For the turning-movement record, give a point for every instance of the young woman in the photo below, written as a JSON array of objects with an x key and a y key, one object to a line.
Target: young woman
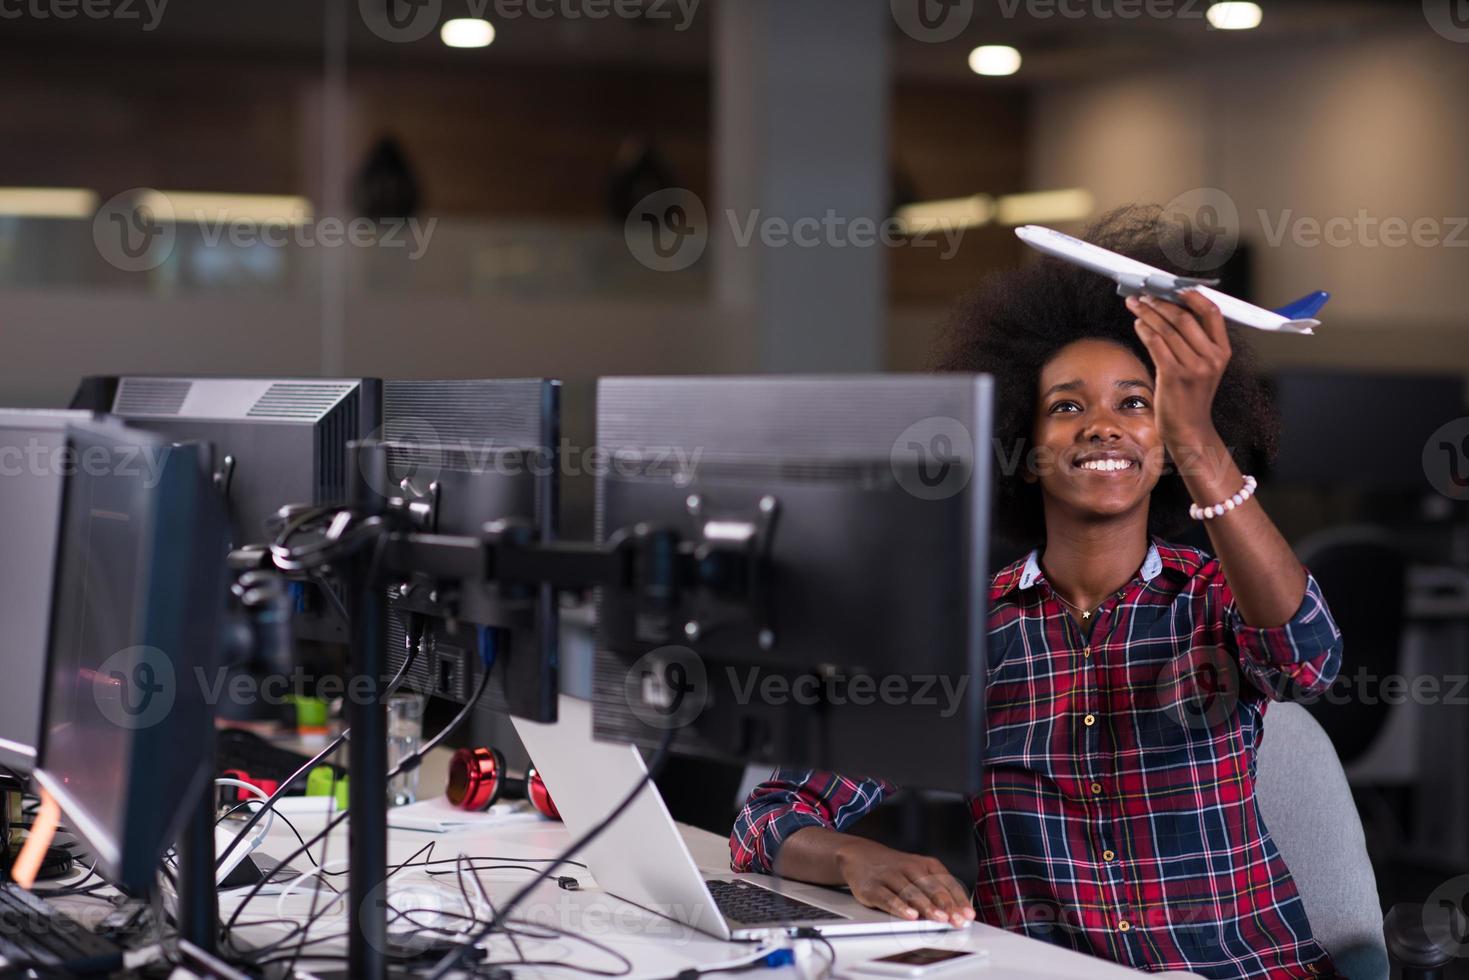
[{"x": 1128, "y": 677}]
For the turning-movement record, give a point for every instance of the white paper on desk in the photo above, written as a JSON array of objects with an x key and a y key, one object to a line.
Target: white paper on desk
[
  {"x": 306, "y": 806},
  {"x": 438, "y": 816}
]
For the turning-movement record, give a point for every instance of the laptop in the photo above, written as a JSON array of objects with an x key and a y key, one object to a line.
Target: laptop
[{"x": 643, "y": 859}]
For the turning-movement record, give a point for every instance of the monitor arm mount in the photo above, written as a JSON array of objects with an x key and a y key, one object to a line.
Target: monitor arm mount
[
  {"x": 648, "y": 571},
  {"x": 722, "y": 568},
  {"x": 652, "y": 570}
]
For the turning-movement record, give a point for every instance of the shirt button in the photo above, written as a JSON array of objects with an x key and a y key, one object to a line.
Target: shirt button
[
  {"x": 1108, "y": 856},
  {"x": 1089, "y": 720},
  {"x": 1123, "y": 926},
  {"x": 1086, "y": 651},
  {"x": 1097, "y": 789}
]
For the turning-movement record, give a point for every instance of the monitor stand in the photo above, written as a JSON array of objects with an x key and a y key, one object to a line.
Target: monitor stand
[{"x": 257, "y": 867}]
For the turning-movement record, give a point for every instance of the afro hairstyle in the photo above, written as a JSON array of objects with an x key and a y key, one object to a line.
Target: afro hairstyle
[{"x": 1017, "y": 319}]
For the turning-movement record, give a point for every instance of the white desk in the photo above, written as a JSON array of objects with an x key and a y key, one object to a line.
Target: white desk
[{"x": 657, "y": 947}]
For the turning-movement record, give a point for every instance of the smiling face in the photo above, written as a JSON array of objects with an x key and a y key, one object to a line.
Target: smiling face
[{"x": 1098, "y": 453}]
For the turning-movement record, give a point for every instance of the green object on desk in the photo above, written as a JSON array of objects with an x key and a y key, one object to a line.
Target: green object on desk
[
  {"x": 319, "y": 783},
  {"x": 311, "y": 713}
]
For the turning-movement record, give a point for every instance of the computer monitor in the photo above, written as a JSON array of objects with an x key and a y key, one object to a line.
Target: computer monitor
[
  {"x": 135, "y": 635},
  {"x": 278, "y": 441},
  {"x": 854, "y": 637},
  {"x": 32, "y": 461},
  {"x": 1361, "y": 430},
  {"x": 478, "y": 451}
]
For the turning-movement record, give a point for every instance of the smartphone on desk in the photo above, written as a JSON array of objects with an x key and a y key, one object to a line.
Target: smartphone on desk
[{"x": 923, "y": 962}]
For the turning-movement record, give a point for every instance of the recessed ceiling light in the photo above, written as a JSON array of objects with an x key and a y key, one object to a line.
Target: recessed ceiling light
[
  {"x": 467, "y": 32},
  {"x": 1234, "y": 16},
  {"x": 994, "y": 59}
]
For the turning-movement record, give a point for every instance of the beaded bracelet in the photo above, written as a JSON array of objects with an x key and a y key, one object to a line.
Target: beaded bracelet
[{"x": 1214, "y": 510}]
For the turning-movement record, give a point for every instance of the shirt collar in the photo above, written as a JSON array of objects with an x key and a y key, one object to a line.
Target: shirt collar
[
  {"x": 1024, "y": 573},
  {"x": 1152, "y": 565}
]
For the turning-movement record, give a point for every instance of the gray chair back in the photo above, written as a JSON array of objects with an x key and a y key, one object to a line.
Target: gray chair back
[{"x": 1308, "y": 810}]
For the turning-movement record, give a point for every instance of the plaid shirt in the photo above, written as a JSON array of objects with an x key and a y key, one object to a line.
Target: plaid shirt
[{"x": 1117, "y": 812}]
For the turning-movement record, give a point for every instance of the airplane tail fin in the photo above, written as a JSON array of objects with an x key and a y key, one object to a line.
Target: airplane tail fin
[{"x": 1305, "y": 308}]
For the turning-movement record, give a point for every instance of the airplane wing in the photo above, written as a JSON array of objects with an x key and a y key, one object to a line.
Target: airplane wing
[{"x": 1134, "y": 277}]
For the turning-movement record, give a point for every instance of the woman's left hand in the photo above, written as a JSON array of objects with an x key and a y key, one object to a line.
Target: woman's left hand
[{"x": 1190, "y": 350}]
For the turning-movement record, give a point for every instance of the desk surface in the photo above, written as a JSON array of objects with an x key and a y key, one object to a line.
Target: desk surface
[{"x": 656, "y": 947}]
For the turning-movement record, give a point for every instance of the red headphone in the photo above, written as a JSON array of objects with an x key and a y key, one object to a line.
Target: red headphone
[{"x": 477, "y": 779}]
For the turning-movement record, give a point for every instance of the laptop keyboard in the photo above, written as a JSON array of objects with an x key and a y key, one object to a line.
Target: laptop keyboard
[
  {"x": 752, "y": 905},
  {"x": 33, "y": 930}
]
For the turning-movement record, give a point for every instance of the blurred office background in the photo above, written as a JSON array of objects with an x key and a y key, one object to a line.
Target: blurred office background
[{"x": 1324, "y": 147}]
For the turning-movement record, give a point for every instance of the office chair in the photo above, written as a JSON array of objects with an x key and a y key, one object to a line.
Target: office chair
[
  {"x": 1364, "y": 576},
  {"x": 1309, "y": 812}
]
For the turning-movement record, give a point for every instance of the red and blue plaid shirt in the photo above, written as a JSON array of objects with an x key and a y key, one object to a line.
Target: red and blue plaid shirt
[{"x": 1117, "y": 812}]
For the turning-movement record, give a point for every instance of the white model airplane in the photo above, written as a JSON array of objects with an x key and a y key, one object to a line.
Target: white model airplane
[{"x": 1133, "y": 278}]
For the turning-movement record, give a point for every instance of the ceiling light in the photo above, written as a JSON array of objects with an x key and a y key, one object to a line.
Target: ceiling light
[
  {"x": 467, "y": 32},
  {"x": 47, "y": 202},
  {"x": 189, "y": 206},
  {"x": 1044, "y": 207},
  {"x": 939, "y": 216},
  {"x": 1234, "y": 16},
  {"x": 994, "y": 59}
]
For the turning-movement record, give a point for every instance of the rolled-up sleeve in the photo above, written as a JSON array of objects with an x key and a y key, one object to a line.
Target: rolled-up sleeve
[
  {"x": 1296, "y": 660},
  {"x": 790, "y": 800}
]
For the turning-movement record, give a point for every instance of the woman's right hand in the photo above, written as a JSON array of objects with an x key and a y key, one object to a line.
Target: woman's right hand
[{"x": 909, "y": 886}]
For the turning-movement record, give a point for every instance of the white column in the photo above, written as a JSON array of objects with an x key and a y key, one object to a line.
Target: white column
[
  {"x": 801, "y": 135},
  {"x": 327, "y": 107}
]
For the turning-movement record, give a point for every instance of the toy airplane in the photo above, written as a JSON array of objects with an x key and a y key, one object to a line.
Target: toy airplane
[{"x": 1133, "y": 278}]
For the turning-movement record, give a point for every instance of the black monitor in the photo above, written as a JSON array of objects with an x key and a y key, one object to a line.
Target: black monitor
[
  {"x": 32, "y": 461},
  {"x": 278, "y": 441},
  {"x": 1361, "y": 430},
  {"x": 472, "y": 452},
  {"x": 853, "y": 637},
  {"x": 135, "y": 634}
]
